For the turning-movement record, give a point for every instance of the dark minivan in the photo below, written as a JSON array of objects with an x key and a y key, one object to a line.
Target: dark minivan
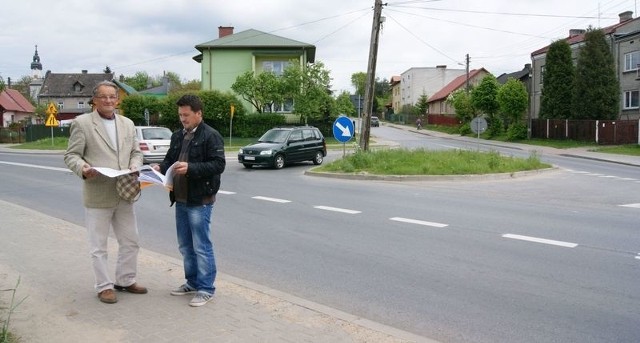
[{"x": 283, "y": 145}]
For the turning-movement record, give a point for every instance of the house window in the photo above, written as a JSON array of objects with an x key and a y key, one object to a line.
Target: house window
[
  {"x": 60, "y": 105},
  {"x": 631, "y": 60},
  {"x": 276, "y": 67},
  {"x": 80, "y": 104},
  {"x": 286, "y": 107},
  {"x": 542, "y": 74},
  {"x": 631, "y": 99}
]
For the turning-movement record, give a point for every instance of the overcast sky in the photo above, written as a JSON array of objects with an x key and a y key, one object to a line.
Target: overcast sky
[{"x": 157, "y": 36}]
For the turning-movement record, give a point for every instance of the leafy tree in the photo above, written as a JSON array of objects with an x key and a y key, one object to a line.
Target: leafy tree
[
  {"x": 422, "y": 106},
  {"x": 138, "y": 81},
  {"x": 134, "y": 105},
  {"x": 107, "y": 70},
  {"x": 557, "y": 84},
  {"x": 261, "y": 91},
  {"x": 513, "y": 100},
  {"x": 597, "y": 89},
  {"x": 461, "y": 102},
  {"x": 359, "y": 80},
  {"x": 344, "y": 104},
  {"x": 186, "y": 87},
  {"x": 22, "y": 86},
  {"x": 309, "y": 87},
  {"x": 173, "y": 77},
  {"x": 484, "y": 99},
  {"x": 2, "y": 84}
]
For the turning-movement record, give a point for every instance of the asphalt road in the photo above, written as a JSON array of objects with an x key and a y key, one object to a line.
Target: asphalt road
[{"x": 545, "y": 258}]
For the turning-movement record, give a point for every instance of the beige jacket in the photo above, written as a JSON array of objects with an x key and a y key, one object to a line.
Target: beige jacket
[{"x": 90, "y": 143}]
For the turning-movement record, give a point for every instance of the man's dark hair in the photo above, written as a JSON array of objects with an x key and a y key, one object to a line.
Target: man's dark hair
[{"x": 190, "y": 100}]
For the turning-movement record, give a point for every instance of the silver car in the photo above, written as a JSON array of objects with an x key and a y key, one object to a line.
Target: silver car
[{"x": 154, "y": 142}]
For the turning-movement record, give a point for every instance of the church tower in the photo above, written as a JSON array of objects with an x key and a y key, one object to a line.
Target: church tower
[{"x": 36, "y": 76}]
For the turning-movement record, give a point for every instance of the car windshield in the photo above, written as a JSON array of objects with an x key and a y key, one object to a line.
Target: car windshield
[
  {"x": 156, "y": 133},
  {"x": 274, "y": 136}
]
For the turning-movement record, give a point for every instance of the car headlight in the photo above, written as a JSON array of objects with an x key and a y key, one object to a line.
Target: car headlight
[
  {"x": 266, "y": 152},
  {"x": 240, "y": 151}
]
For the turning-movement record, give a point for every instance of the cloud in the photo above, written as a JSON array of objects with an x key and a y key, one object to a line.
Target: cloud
[{"x": 159, "y": 36}]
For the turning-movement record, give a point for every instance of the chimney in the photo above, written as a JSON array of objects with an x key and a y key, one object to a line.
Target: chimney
[
  {"x": 575, "y": 32},
  {"x": 625, "y": 16},
  {"x": 224, "y": 31}
]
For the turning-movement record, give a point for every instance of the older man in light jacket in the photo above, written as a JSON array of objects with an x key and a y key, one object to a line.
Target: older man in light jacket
[{"x": 103, "y": 138}]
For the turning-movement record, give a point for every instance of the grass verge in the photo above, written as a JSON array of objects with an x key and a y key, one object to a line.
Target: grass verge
[{"x": 430, "y": 162}]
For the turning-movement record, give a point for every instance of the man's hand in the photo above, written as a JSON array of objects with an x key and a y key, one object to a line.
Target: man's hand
[
  {"x": 180, "y": 168},
  {"x": 88, "y": 172}
]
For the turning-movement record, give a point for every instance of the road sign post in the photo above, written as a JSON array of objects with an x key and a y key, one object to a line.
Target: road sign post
[{"x": 343, "y": 131}]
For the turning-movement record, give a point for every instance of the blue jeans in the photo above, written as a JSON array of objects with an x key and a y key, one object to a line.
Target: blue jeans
[{"x": 194, "y": 241}]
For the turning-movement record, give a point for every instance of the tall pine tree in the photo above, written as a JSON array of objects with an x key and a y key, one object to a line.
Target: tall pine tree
[
  {"x": 597, "y": 89},
  {"x": 557, "y": 82}
]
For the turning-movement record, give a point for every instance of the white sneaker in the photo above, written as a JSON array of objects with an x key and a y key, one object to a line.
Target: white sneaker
[
  {"x": 183, "y": 290},
  {"x": 200, "y": 299}
]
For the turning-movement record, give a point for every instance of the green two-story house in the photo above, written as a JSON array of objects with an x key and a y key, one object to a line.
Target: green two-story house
[{"x": 223, "y": 59}]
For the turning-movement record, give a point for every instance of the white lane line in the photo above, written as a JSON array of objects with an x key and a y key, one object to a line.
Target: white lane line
[
  {"x": 608, "y": 176},
  {"x": 36, "y": 166},
  {"x": 628, "y": 179},
  {"x": 226, "y": 192},
  {"x": 541, "y": 240},
  {"x": 419, "y": 222},
  {"x": 631, "y": 205},
  {"x": 638, "y": 257},
  {"x": 335, "y": 209},
  {"x": 271, "y": 199}
]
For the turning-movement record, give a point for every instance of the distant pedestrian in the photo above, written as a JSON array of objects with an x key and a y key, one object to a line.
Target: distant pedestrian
[
  {"x": 197, "y": 156},
  {"x": 103, "y": 138},
  {"x": 419, "y": 123}
]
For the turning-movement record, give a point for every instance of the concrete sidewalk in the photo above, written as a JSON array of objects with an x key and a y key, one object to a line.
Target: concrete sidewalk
[{"x": 50, "y": 257}]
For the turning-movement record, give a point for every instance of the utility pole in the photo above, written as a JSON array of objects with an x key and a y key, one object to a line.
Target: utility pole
[
  {"x": 371, "y": 77},
  {"x": 467, "y": 74}
]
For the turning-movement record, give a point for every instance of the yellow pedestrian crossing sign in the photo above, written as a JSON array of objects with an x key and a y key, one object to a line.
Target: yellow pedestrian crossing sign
[
  {"x": 52, "y": 121},
  {"x": 52, "y": 110}
]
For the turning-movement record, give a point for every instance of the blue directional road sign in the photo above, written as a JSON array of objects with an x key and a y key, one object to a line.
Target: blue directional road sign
[{"x": 343, "y": 129}]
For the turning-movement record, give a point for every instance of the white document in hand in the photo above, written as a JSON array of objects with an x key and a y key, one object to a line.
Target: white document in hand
[{"x": 150, "y": 175}]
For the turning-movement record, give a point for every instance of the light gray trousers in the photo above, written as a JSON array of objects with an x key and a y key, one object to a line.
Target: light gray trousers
[{"x": 122, "y": 219}]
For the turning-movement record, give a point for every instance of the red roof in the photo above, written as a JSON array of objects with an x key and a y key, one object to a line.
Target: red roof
[
  {"x": 455, "y": 85},
  {"x": 395, "y": 80},
  {"x": 12, "y": 100},
  {"x": 580, "y": 37}
]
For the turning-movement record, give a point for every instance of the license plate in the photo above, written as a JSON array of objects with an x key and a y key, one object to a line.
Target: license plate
[
  {"x": 249, "y": 158},
  {"x": 161, "y": 147}
]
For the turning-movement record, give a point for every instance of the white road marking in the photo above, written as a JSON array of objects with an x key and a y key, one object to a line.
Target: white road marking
[
  {"x": 335, "y": 209},
  {"x": 36, "y": 166},
  {"x": 271, "y": 199},
  {"x": 226, "y": 192},
  {"x": 631, "y": 205},
  {"x": 541, "y": 240},
  {"x": 419, "y": 222},
  {"x": 638, "y": 257}
]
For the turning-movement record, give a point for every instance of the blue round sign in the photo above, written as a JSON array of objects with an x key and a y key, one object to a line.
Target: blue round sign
[{"x": 343, "y": 129}]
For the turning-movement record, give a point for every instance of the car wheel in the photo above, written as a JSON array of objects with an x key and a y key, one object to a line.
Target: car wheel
[
  {"x": 319, "y": 157},
  {"x": 278, "y": 162},
  {"x": 247, "y": 165}
]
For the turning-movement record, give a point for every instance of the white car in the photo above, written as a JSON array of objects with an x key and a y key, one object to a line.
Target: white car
[{"x": 154, "y": 142}]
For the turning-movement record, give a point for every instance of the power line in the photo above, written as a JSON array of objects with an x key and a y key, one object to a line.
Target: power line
[{"x": 504, "y": 13}]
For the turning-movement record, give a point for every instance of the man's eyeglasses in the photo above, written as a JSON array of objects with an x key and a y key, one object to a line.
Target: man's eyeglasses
[{"x": 107, "y": 97}]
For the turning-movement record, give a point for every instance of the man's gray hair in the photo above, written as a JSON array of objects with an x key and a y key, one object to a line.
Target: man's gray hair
[{"x": 105, "y": 83}]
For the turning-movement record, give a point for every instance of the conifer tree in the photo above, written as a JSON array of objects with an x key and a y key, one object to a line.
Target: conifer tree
[
  {"x": 597, "y": 89},
  {"x": 557, "y": 82}
]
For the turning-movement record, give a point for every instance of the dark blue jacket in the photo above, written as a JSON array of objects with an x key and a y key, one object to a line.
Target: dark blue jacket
[{"x": 206, "y": 162}]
